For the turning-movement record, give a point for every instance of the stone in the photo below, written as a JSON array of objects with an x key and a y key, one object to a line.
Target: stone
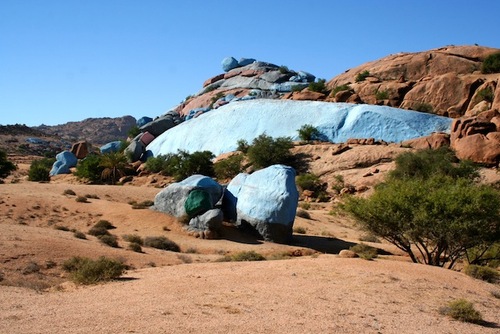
[
  {"x": 348, "y": 254},
  {"x": 111, "y": 147},
  {"x": 135, "y": 150},
  {"x": 161, "y": 124},
  {"x": 266, "y": 200},
  {"x": 143, "y": 121},
  {"x": 64, "y": 161},
  {"x": 172, "y": 199},
  {"x": 229, "y": 63},
  {"x": 211, "y": 220},
  {"x": 80, "y": 149},
  {"x": 213, "y": 79},
  {"x": 434, "y": 141},
  {"x": 146, "y": 138},
  {"x": 307, "y": 95},
  {"x": 245, "y": 61}
]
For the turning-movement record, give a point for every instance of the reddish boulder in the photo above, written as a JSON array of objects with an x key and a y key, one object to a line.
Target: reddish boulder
[
  {"x": 80, "y": 149},
  {"x": 213, "y": 79},
  {"x": 434, "y": 141}
]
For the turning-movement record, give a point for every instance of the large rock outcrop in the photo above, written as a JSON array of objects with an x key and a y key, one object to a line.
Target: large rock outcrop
[
  {"x": 266, "y": 200},
  {"x": 64, "y": 161},
  {"x": 219, "y": 130},
  {"x": 446, "y": 81}
]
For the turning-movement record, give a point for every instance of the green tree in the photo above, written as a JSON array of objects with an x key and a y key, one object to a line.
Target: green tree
[
  {"x": 114, "y": 165},
  {"x": 6, "y": 166},
  {"x": 40, "y": 170},
  {"x": 90, "y": 168},
  {"x": 437, "y": 218},
  {"x": 318, "y": 86},
  {"x": 266, "y": 151},
  {"x": 307, "y": 132}
]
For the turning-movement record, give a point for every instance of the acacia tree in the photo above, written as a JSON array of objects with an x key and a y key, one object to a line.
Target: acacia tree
[{"x": 436, "y": 217}]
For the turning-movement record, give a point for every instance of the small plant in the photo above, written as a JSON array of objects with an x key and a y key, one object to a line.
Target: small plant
[
  {"x": 491, "y": 64},
  {"x": 299, "y": 230},
  {"x": 303, "y": 214},
  {"x": 69, "y": 192},
  {"x": 79, "y": 235},
  {"x": 243, "y": 256},
  {"x": 283, "y": 69},
  {"x": 338, "y": 183},
  {"x": 143, "y": 205},
  {"x": 483, "y": 273},
  {"x": 423, "y": 107},
  {"x": 364, "y": 251},
  {"x": 135, "y": 247},
  {"x": 362, "y": 76},
  {"x": 369, "y": 238},
  {"x": 228, "y": 168},
  {"x": 109, "y": 239},
  {"x": 133, "y": 238},
  {"x": 82, "y": 199},
  {"x": 104, "y": 224},
  {"x": 133, "y": 131},
  {"x": 305, "y": 205},
  {"x": 242, "y": 146},
  {"x": 101, "y": 228},
  {"x": 297, "y": 88},
  {"x": 310, "y": 182},
  {"x": 318, "y": 86},
  {"x": 382, "y": 95},
  {"x": 155, "y": 164},
  {"x": 463, "y": 310},
  {"x": 61, "y": 228},
  {"x": 307, "y": 133},
  {"x": 340, "y": 88},
  {"x": 161, "y": 243},
  {"x": 486, "y": 94},
  {"x": 209, "y": 89},
  {"x": 185, "y": 258},
  {"x": 40, "y": 170},
  {"x": 87, "y": 271},
  {"x": 93, "y": 196},
  {"x": 191, "y": 250}
]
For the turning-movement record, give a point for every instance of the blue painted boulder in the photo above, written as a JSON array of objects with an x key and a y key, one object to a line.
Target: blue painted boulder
[
  {"x": 64, "y": 161},
  {"x": 111, "y": 147},
  {"x": 143, "y": 121},
  {"x": 245, "y": 61},
  {"x": 229, "y": 63},
  {"x": 266, "y": 200}
]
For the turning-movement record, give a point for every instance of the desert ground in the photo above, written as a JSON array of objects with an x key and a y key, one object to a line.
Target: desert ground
[{"x": 304, "y": 287}]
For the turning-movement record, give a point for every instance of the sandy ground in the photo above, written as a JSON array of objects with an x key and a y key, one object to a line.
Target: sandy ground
[{"x": 314, "y": 290}]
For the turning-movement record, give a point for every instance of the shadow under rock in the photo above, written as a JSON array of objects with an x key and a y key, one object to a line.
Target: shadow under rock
[
  {"x": 326, "y": 245},
  {"x": 241, "y": 235}
]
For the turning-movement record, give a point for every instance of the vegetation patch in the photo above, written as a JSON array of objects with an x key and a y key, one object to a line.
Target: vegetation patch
[
  {"x": 463, "y": 310},
  {"x": 491, "y": 64},
  {"x": 87, "y": 271},
  {"x": 364, "y": 251},
  {"x": 40, "y": 170},
  {"x": 318, "y": 86},
  {"x": 228, "y": 168},
  {"x": 483, "y": 273},
  {"x": 308, "y": 133},
  {"x": 109, "y": 239},
  {"x": 340, "y": 88},
  {"x": 133, "y": 238},
  {"x": 243, "y": 256},
  {"x": 6, "y": 166},
  {"x": 362, "y": 76},
  {"x": 161, "y": 243},
  {"x": 135, "y": 247}
]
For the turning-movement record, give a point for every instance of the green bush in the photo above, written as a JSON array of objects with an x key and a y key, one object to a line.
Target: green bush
[
  {"x": 133, "y": 131},
  {"x": 243, "y": 256},
  {"x": 114, "y": 166},
  {"x": 338, "y": 183},
  {"x": 98, "y": 231},
  {"x": 228, "y": 168},
  {"x": 109, "y": 239},
  {"x": 318, "y": 86},
  {"x": 283, "y": 69},
  {"x": 40, "y": 170},
  {"x": 135, "y": 247},
  {"x": 6, "y": 166},
  {"x": 486, "y": 94},
  {"x": 307, "y": 132},
  {"x": 310, "y": 182},
  {"x": 183, "y": 164},
  {"x": 340, "y": 88},
  {"x": 90, "y": 168},
  {"x": 133, "y": 238},
  {"x": 161, "y": 243},
  {"x": 87, "y": 271},
  {"x": 364, "y": 251},
  {"x": 423, "y": 107},
  {"x": 434, "y": 206},
  {"x": 79, "y": 235},
  {"x": 104, "y": 224},
  {"x": 463, "y": 310},
  {"x": 483, "y": 273},
  {"x": 491, "y": 64},
  {"x": 362, "y": 76},
  {"x": 266, "y": 151},
  {"x": 156, "y": 164},
  {"x": 81, "y": 199},
  {"x": 382, "y": 95},
  {"x": 243, "y": 146}
]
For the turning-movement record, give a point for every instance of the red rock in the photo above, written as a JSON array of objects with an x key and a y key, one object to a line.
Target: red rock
[
  {"x": 80, "y": 149},
  {"x": 213, "y": 79},
  {"x": 434, "y": 141},
  {"x": 307, "y": 95}
]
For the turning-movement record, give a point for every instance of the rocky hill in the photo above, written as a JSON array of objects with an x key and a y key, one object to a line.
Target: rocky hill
[{"x": 97, "y": 131}]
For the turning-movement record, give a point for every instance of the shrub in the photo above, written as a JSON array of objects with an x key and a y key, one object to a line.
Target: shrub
[
  {"x": 133, "y": 238},
  {"x": 104, "y": 224},
  {"x": 79, "y": 235},
  {"x": 98, "y": 231},
  {"x": 307, "y": 132},
  {"x": 109, "y": 239},
  {"x": 364, "y": 251},
  {"x": 143, "y": 205},
  {"x": 310, "y": 182},
  {"x": 318, "y": 86},
  {"x": 69, "y": 192},
  {"x": 6, "y": 166},
  {"x": 483, "y": 273},
  {"x": 135, "y": 247},
  {"x": 61, "y": 228},
  {"x": 243, "y": 256},
  {"x": 90, "y": 168},
  {"x": 491, "y": 64},
  {"x": 161, "y": 243},
  {"x": 184, "y": 164},
  {"x": 362, "y": 76},
  {"x": 283, "y": 69},
  {"x": 338, "y": 183},
  {"x": 156, "y": 164},
  {"x": 133, "y": 131},
  {"x": 266, "y": 151},
  {"x": 436, "y": 209},
  {"x": 228, "y": 168},
  {"x": 40, "y": 170},
  {"x": 81, "y": 199},
  {"x": 87, "y": 271},
  {"x": 303, "y": 214},
  {"x": 340, "y": 88},
  {"x": 486, "y": 94},
  {"x": 422, "y": 106},
  {"x": 243, "y": 146},
  {"x": 299, "y": 230},
  {"x": 463, "y": 310},
  {"x": 382, "y": 95}
]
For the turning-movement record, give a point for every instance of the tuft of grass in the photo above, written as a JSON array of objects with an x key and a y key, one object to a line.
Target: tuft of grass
[
  {"x": 191, "y": 250},
  {"x": 79, "y": 235},
  {"x": 81, "y": 199},
  {"x": 369, "y": 238},
  {"x": 185, "y": 258},
  {"x": 243, "y": 256},
  {"x": 143, "y": 205},
  {"x": 340, "y": 88},
  {"x": 104, "y": 224},
  {"x": 483, "y": 273},
  {"x": 305, "y": 205},
  {"x": 364, "y": 251},
  {"x": 463, "y": 310},
  {"x": 299, "y": 230},
  {"x": 92, "y": 196},
  {"x": 69, "y": 192},
  {"x": 98, "y": 231},
  {"x": 87, "y": 271},
  {"x": 382, "y": 95},
  {"x": 133, "y": 238},
  {"x": 362, "y": 76},
  {"x": 61, "y": 228},
  {"x": 161, "y": 243},
  {"x": 303, "y": 214},
  {"x": 135, "y": 247},
  {"x": 109, "y": 239}
]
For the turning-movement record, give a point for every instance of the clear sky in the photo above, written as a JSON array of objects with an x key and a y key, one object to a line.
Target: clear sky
[{"x": 67, "y": 60}]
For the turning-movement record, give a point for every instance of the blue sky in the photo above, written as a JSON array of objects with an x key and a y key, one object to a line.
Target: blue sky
[{"x": 67, "y": 60}]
